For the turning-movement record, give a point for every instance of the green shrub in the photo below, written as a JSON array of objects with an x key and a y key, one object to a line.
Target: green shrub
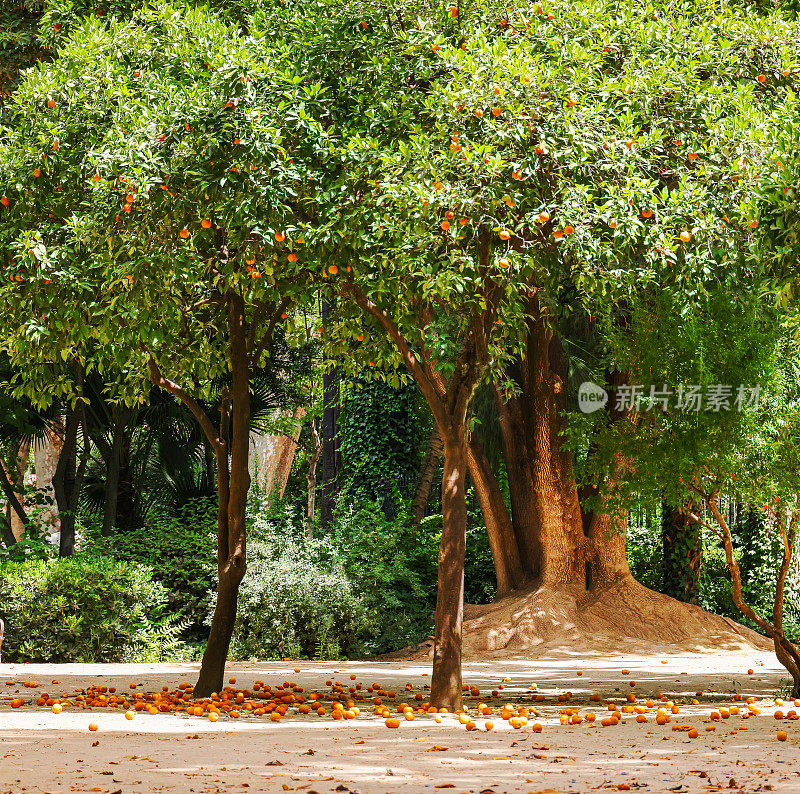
[
  {"x": 296, "y": 599},
  {"x": 85, "y": 608},
  {"x": 181, "y": 552},
  {"x": 392, "y": 571}
]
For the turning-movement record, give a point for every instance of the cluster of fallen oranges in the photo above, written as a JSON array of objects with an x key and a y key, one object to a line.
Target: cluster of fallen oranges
[{"x": 342, "y": 703}]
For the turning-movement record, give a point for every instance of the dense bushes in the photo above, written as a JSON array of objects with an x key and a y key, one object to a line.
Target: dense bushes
[
  {"x": 181, "y": 552},
  {"x": 366, "y": 586},
  {"x": 296, "y": 599},
  {"x": 85, "y": 608}
]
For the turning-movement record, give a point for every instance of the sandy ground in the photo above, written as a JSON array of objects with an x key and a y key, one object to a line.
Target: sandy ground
[{"x": 45, "y": 752}]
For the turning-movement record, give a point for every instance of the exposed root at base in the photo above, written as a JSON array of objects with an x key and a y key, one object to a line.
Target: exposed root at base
[{"x": 623, "y": 617}]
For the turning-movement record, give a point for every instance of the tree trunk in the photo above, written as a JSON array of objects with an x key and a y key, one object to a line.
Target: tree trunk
[
  {"x": 527, "y": 532},
  {"x": 21, "y": 461},
  {"x": 113, "y": 468},
  {"x": 64, "y": 481},
  {"x": 556, "y": 509},
  {"x": 683, "y": 554},
  {"x": 331, "y": 456},
  {"x": 446, "y": 679},
  {"x": 14, "y": 505},
  {"x": 505, "y": 552},
  {"x": 233, "y": 484},
  {"x": 430, "y": 463},
  {"x": 311, "y": 477}
]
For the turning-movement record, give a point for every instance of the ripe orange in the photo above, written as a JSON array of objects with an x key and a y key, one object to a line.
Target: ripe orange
[
  {"x": 37, "y": 172},
  {"x": 569, "y": 230},
  {"x": 504, "y": 263},
  {"x": 445, "y": 225},
  {"x": 762, "y": 78},
  {"x": 781, "y": 736},
  {"x": 128, "y": 715},
  {"x": 449, "y": 215},
  {"x": 648, "y": 214},
  {"x": 205, "y": 223},
  {"x": 292, "y": 257},
  {"x": 612, "y": 224},
  {"x": 54, "y": 145},
  {"x": 479, "y": 113},
  {"x": 504, "y": 234},
  {"x": 333, "y": 270},
  {"x": 392, "y": 722},
  {"x": 496, "y": 111},
  {"x": 280, "y": 237},
  {"x": 57, "y": 708},
  {"x": 685, "y": 236},
  {"x": 753, "y": 224},
  {"x": 4, "y": 201},
  {"x": 452, "y": 11},
  {"x": 93, "y": 726}
]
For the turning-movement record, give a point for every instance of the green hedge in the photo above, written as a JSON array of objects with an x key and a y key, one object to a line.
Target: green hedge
[{"x": 85, "y": 608}]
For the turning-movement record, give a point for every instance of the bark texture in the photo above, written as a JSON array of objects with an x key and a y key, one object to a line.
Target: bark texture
[
  {"x": 427, "y": 471},
  {"x": 683, "y": 554}
]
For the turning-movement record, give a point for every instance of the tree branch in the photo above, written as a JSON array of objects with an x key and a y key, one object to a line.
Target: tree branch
[
  {"x": 202, "y": 417},
  {"x": 426, "y": 385}
]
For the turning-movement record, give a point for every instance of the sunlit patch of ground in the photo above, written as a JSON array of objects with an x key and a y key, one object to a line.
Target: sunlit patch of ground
[{"x": 41, "y": 751}]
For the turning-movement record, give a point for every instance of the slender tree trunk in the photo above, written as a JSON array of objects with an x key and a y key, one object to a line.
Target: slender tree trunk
[
  {"x": 233, "y": 486},
  {"x": 527, "y": 531},
  {"x": 21, "y": 461},
  {"x": 683, "y": 554},
  {"x": 14, "y": 505},
  {"x": 113, "y": 468},
  {"x": 446, "y": 681},
  {"x": 64, "y": 483},
  {"x": 331, "y": 456},
  {"x": 505, "y": 552},
  {"x": 311, "y": 477},
  {"x": 430, "y": 463},
  {"x": 787, "y": 652}
]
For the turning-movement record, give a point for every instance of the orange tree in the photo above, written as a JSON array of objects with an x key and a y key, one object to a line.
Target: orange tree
[
  {"x": 146, "y": 229},
  {"x": 498, "y": 174}
]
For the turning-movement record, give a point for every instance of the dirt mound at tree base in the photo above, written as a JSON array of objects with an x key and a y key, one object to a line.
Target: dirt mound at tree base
[{"x": 625, "y": 616}]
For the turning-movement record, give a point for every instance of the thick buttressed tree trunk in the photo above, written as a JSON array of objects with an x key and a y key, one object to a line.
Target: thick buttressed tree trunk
[
  {"x": 683, "y": 554},
  {"x": 576, "y": 583}
]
